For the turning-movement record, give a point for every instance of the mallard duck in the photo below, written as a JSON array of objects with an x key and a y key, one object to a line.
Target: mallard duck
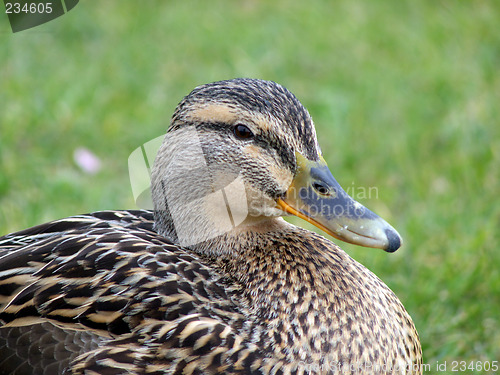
[{"x": 213, "y": 280}]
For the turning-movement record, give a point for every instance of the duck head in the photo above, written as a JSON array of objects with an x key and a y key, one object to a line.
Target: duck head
[{"x": 240, "y": 154}]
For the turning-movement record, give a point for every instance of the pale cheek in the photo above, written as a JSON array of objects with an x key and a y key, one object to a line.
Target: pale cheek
[
  {"x": 279, "y": 175},
  {"x": 252, "y": 151},
  {"x": 282, "y": 176}
]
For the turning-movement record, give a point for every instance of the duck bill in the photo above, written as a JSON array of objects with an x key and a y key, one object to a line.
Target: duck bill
[{"x": 317, "y": 197}]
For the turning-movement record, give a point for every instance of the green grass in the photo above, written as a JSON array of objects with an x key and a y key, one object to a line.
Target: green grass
[{"x": 405, "y": 96}]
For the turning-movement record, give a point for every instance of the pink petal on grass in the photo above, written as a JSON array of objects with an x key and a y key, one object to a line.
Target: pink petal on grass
[{"x": 86, "y": 160}]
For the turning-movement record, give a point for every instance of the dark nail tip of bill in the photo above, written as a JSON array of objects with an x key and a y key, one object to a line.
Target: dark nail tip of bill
[{"x": 393, "y": 239}]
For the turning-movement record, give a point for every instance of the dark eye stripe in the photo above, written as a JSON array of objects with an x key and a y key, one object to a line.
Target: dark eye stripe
[
  {"x": 243, "y": 132},
  {"x": 264, "y": 139}
]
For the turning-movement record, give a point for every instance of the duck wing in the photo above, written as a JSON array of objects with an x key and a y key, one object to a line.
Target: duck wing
[
  {"x": 42, "y": 349},
  {"x": 131, "y": 299}
]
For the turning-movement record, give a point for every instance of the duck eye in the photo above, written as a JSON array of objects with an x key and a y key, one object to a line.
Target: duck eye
[
  {"x": 321, "y": 188},
  {"x": 242, "y": 132}
]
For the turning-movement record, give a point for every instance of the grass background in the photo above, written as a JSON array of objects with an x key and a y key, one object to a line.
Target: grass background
[{"x": 405, "y": 96}]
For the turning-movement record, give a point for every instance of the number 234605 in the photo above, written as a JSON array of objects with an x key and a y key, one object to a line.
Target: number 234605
[{"x": 31, "y": 8}]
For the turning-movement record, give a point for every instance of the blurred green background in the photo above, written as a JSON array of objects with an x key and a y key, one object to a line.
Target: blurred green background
[{"x": 405, "y": 96}]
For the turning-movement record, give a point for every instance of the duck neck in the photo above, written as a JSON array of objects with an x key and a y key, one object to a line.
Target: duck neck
[{"x": 279, "y": 265}]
